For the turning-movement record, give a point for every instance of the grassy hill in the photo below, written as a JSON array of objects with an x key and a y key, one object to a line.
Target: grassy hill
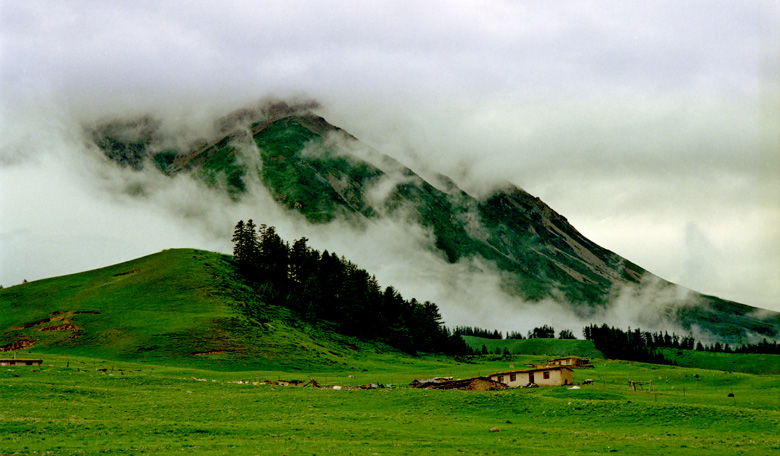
[
  {"x": 751, "y": 363},
  {"x": 177, "y": 307}
]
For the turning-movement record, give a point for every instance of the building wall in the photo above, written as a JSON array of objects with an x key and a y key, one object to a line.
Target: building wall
[
  {"x": 521, "y": 379},
  {"x": 557, "y": 377}
]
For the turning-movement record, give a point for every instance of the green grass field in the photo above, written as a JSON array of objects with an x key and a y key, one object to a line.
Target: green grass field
[
  {"x": 155, "y": 356},
  {"x": 68, "y": 407}
]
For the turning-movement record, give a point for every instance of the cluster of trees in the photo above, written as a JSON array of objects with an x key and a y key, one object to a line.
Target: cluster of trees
[
  {"x": 629, "y": 345},
  {"x": 643, "y": 342},
  {"x": 717, "y": 347},
  {"x": 478, "y": 332},
  {"x": 542, "y": 332},
  {"x": 763, "y": 347},
  {"x": 637, "y": 337},
  {"x": 498, "y": 351},
  {"x": 323, "y": 287}
]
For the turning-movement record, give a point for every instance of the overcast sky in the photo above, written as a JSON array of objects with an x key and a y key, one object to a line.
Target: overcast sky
[{"x": 654, "y": 127}]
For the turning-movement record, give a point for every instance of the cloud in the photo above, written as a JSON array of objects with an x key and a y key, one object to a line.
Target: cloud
[{"x": 633, "y": 121}]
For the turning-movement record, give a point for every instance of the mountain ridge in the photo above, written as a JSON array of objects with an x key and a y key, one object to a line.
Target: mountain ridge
[{"x": 324, "y": 173}]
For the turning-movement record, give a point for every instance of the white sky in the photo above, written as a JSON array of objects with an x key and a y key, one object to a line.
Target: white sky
[{"x": 654, "y": 127}]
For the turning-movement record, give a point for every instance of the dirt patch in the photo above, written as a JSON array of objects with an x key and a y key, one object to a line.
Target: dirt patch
[
  {"x": 128, "y": 272},
  {"x": 62, "y": 327},
  {"x": 213, "y": 352},
  {"x": 35, "y": 323},
  {"x": 469, "y": 384},
  {"x": 60, "y": 316},
  {"x": 18, "y": 345}
]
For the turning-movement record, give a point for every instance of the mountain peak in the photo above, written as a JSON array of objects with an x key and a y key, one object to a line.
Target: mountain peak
[{"x": 540, "y": 254}]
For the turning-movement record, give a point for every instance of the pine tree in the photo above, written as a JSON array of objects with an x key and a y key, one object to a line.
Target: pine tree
[
  {"x": 273, "y": 256},
  {"x": 566, "y": 334}
]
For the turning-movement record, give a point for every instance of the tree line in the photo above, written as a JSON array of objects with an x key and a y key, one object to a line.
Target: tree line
[
  {"x": 325, "y": 287},
  {"x": 763, "y": 347},
  {"x": 605, "y": 336},
  {"x": 634, "y": 345},
  {"x": 638, "y": 345},
  {"x": 541, "y": 332},
  {"x": 629, "y": 345}
]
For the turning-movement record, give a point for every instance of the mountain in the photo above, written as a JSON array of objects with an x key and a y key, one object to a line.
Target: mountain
[
  {"x": 324, "y": 173},
  {"x": 178, "y": 307}
]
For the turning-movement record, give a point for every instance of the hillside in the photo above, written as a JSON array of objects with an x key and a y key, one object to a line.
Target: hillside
[
  {"x": 176, "y": 307},
  {"x": 322, "y": 172}
]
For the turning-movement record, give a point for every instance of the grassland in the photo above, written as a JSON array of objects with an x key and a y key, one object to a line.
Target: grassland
[
  {"x": 67, "y": 406},
  {"x": 147, "y": 357}
]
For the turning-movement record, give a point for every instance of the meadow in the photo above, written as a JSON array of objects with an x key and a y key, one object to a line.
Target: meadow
[
  {"x": 79, "y": 405},
  {"x": 157, "y": 356}
]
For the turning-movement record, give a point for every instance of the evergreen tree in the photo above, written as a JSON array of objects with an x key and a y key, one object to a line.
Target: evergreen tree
[
  {"x": 544, "y": 332},
  {"x": 328, "y": 288},
  {"x": 245, "y": 247},
  {"x": 566, "y": 334},
  {"x": 273, "y": 257}
]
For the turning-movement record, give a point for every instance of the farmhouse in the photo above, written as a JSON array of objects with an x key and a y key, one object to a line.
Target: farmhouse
[
  {"x": 544, "y": 376},
  {"x": 20, "y": 362},
  {"x": 574, "y": 362}
]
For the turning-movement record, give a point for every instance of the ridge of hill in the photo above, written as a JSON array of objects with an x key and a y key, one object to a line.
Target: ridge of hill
[
  {"x": 176, "y": 307},
  {"x": 324, "y": 173}
]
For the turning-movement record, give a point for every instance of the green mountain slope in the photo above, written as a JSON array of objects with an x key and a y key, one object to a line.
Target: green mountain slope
[
  {"x": 310, "y": 166},
  {"x": 176, "y": 307}
]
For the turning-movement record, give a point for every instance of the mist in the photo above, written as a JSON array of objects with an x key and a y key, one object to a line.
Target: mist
[
  {"x": 76, "y": 210},
  {"x": 653, "y": 128}
]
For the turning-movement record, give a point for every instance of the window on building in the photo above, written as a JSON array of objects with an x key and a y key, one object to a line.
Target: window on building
[
  {"x": 501, "y": 379},
  {"x": 546, "y": 375},
  {"x": 512, "y": 377}
]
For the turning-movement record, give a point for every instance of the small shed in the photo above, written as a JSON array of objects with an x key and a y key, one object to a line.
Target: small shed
[
  {"x": 20, "y": 362},
  {"x": 544, "y": 376},
  {"x": 572, "y": 361},
  {"x": 575, "y": 362}
]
